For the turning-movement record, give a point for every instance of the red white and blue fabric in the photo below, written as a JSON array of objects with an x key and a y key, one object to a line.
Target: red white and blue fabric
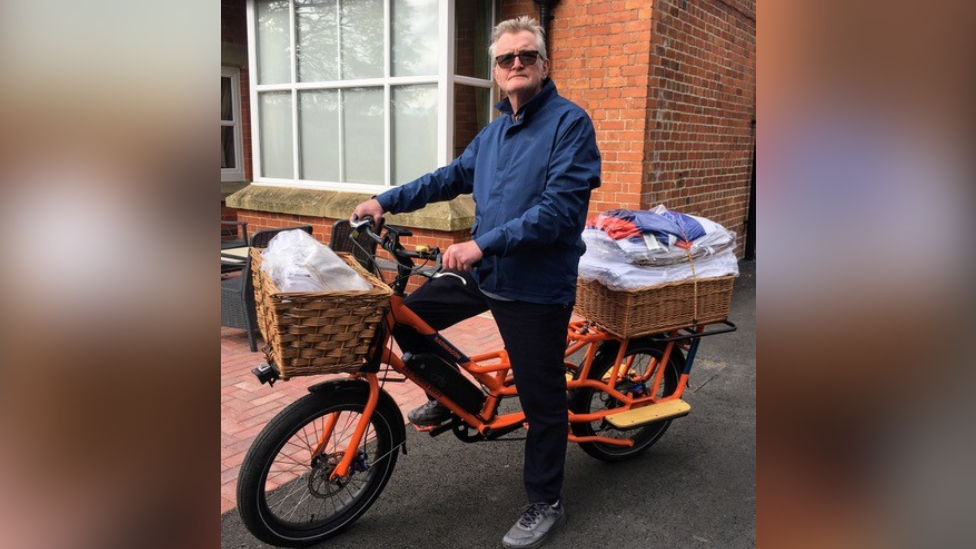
[{"x": 666, "y": 227}]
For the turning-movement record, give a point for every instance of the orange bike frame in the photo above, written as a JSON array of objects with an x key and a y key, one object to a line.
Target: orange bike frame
[{"x": 493, "y": 371}]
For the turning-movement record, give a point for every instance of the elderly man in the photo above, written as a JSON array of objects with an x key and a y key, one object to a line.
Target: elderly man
[{"x": 531, "y": 172}]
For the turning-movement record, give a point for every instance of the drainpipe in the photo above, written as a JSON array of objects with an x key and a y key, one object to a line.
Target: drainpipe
[
  {"x": 545, "y": 16},
  {"x": 750, "y": 251}
]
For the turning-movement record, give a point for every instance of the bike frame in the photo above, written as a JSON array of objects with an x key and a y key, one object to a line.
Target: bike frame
[{"x": 493, "y": 371}]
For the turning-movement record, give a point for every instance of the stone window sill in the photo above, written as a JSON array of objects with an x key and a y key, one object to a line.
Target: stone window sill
[{"x": 454, "y": 215}]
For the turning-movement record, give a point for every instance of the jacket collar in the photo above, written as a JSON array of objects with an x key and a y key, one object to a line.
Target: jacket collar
[{"x": 548, "y": 91}]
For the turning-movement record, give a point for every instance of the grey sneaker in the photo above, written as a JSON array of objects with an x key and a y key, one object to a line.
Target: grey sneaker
[
  {"x": 537, "y": 522},
  {"x": 432, "y": 413}
]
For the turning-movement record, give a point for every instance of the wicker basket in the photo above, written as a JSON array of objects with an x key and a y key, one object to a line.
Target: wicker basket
[
  {"x": 317, "y": 333},
  {"x": 655, "y": 309}
]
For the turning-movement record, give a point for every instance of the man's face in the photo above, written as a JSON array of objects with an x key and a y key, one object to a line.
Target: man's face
[{"x": 519, "y": 82}]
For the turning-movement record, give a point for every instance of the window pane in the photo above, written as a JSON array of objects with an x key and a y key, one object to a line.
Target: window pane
[
  {"x": 226, "y": 99},
  {"x": 414, "y": 132},
  {"x": 415, "y": 37},
  {"x": 361, "y": 39},
  {"x": 472, "y": 23},
  {"x": 471, "y": 113},
  {"x": 276, "y": 148},
  {"x": 273, "y": 42},
  {"x": 318, "y": 40},
  {"x": 362, "y": 118},
  {"x": 228, "y": 159},
  {"x": 318, "y": 112}
]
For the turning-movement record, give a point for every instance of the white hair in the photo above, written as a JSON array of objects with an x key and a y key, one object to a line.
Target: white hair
[{"x": 519, "y": 24}]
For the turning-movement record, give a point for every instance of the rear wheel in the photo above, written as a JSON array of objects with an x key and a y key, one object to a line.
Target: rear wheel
[
  {"x": 647, "y": 356},
  {"x": 284, "y": 493}
]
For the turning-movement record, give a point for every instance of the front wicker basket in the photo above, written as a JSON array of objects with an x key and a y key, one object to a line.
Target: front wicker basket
[
  {"x": 317, "y": 333},
  {"x": 655, "y": 309}
]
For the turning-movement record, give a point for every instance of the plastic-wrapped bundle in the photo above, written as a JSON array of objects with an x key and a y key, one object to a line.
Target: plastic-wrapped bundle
[
  {"x": 617, "y": 273},
  {"x": 655, "y": 237},
  {"x": 297, "y": 262},
  {"x": 627, "y": 250}
]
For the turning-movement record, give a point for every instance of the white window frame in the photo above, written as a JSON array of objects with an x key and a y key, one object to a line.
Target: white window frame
[
  {"x": 445, "y": 81},
  {"x": 234, "y": 174}
]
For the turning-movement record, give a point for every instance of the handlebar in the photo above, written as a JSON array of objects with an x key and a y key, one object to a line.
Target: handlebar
[
  {"x": 388, "y": 237},
  {"x": 390, "y": 240}
]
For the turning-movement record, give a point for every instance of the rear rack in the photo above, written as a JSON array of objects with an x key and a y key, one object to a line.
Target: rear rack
[{"x": 689, "y": 333}]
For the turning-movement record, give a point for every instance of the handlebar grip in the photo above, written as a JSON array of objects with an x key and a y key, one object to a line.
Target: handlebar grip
[{"x": 357, "y": 222}]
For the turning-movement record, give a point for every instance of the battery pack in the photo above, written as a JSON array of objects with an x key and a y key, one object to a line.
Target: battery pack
[{"x": 443, "y": 377}]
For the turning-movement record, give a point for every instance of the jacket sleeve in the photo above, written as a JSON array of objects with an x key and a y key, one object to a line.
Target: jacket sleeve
[
  {"x": 445, "y": 183},
  {"x": 573, "y": 171}
]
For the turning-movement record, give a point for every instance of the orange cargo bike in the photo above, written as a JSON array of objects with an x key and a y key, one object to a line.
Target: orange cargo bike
[{"x": 322, "y": 462}]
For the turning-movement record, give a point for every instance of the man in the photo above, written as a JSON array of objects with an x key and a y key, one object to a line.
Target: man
[{"x": 531, "y": 172}]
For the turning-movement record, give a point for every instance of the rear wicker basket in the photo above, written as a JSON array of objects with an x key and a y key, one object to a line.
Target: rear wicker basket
[
  {"x": 655, "y": 309},
  {"x": 317, "y": 333}
]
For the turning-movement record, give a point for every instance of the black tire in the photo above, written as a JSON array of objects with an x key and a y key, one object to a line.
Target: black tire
[
  {"x": 588, "y": 400},
  {"x": 285, "y": 499}
]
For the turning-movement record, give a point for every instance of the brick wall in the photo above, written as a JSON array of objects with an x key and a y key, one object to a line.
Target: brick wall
[
  {"x": 600, "y": 55},
  {"x": 322, "y": 228},
  {"x": 246, "y": 124},
  {"x": 227, "y": 214},
  {"x": 233, "y": 15},
  {"x": 322, "y": 231},
  {"x": 704, "y": 97},
  {"x": 670, "y": 86}
]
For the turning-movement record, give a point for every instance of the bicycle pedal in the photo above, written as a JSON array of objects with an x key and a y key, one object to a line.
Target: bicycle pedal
[
  {"x": 434, "y": 430},
  {"x": 648, "y": 414}
]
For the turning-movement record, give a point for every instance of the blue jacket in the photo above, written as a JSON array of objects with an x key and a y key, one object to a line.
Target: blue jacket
[{"x": 531, "y": 178}]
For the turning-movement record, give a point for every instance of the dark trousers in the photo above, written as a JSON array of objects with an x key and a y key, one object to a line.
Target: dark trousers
[{"x": 535, "y": 339}]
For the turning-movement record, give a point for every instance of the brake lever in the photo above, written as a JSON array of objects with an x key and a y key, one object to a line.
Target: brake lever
[
  {"x": 455, "y": 275},
  {"x": 438, "y": 273},
  {"x": 356, "y": 222}
]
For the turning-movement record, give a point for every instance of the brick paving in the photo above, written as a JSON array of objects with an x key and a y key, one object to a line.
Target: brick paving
[{"x": 246, "y": 405}]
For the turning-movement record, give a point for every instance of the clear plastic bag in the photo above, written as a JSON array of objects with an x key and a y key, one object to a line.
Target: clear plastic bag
[{"x": 297, "y": 262}]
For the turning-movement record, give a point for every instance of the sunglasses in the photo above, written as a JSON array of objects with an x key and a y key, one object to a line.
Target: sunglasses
[{"x": 528, "y": 58}]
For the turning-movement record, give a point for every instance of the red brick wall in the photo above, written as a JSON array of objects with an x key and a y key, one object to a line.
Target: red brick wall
[
  {"x": 246, "y": 124},
  {"x": 322, "y": 228},
  {"x": 704, "y": 96},
  {"x": 600, "y": 60},
  {"x": 233, "y": 19},
  {"x": 227, "y": 214},
  {"x": 322, "y": 231},
  {"x": 670, "y": 86},
  {"x": 465, "y": 118}
]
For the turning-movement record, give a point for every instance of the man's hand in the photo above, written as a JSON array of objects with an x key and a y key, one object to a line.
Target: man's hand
[
  {"x": 371, "y": 207},
  {"x": 461, "y": 257}
]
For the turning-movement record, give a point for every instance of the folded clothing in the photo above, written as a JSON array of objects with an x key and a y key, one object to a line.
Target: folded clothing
[{"x": 655, "y": 237}]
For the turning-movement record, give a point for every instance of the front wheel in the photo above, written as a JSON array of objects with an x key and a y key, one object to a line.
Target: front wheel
[
  {"x": 284, "y": 493},
  {"x": 647, "y": 356}
]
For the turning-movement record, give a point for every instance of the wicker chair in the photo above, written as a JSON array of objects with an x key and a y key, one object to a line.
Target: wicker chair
[
  {"x": 237, "y": 292},
  {"x": 233, "y": 234},
  {"x": 363, "y": 248},
  {"x": 340, "y": 242}
]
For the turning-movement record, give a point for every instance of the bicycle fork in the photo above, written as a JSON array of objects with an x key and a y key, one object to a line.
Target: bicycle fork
[{"x": 342, "y": 469}]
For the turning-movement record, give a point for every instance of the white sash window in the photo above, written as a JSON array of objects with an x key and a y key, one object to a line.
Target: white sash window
[{"x": 363, "y": 94}]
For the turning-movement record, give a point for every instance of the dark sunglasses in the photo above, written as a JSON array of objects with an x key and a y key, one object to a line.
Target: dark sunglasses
[{"x": 528, "y": 58}]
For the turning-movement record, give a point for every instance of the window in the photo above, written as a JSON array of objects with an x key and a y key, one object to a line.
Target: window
[
  {"x": 361, "y": 94},
  {"x": 231, "y": 160}
]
